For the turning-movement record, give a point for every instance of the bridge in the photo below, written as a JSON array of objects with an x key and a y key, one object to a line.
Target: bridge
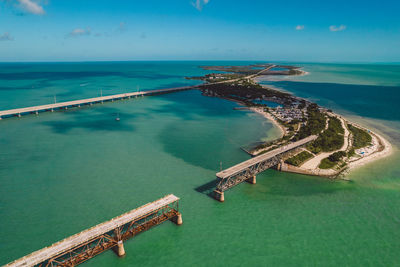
[
  {"x": 247, "y": 170},
  {"x": 111, "y": 234},
  {"x": 89, "y": 101}
]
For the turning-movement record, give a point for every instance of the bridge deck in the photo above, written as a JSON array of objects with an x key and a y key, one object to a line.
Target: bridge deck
[
  {"x": 263, "y": 157},
  {"x": 18, "y": 111},
  {"x": 91, "y": 233}
]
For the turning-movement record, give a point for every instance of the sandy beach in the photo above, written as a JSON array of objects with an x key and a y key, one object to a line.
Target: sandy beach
[
  {"x": 383, "y": 150},
  {"x": 386, "y": 151},
  {"x": 270, "y": 118}
]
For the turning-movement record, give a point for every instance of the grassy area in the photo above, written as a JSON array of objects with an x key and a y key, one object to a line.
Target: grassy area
[
  {"x": 330, "y": 140},
  {"x": 332, "y": 160},
  {"x": 326, "y": 164},
  {"x": 315, "y": 123},
  {"x": 298, "y": 159},
  {"x": 361, "y": 138}
]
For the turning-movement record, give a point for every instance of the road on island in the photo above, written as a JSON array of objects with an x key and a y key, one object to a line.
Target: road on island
[{"x": 314, "y": 162}]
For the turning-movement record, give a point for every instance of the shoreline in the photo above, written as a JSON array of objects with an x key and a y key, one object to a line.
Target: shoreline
[
  {"x": 374, "y": 156},
  {"x": 268, "y": 116}
]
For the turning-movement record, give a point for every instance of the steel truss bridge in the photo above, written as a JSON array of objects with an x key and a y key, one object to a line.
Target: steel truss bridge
[
  {"x": 108, "y": 235},
  {"x": 247, "y": 170}
]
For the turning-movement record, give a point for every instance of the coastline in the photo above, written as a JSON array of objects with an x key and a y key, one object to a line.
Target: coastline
[
  {"x": 385, "y": 151},
  {"x": 331, "y": 173},
  {"x": 268, "y": 116}
]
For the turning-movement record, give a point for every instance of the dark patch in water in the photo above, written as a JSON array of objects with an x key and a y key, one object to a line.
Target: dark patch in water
[
  {"x": 104, "y": 120},
  {"x": 290, "y": 184},
  {"x": 379, "y": 102}
]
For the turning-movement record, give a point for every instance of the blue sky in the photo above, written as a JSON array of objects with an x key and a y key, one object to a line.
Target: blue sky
[{"x": 86, "y": 30}]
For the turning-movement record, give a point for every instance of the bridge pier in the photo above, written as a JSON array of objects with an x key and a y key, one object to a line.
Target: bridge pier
[
  {"x": 177, "y": 219},
  {"x": 218, "y": 195},
  {"x": 282, "y": 166},
  {"x": 19, "y": 115},
  {"x": 252, "y": 180},
  {"x": 121, "y": 249}
]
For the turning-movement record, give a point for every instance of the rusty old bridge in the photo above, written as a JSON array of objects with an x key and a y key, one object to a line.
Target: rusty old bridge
[
  {"x": 111, "y": 234},
  {"x": 247, "y": 170}
]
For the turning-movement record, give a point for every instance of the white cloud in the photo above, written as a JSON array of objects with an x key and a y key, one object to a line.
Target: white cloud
[
  {"x": 6, "y": 37},
  {"x": 335, "y": 28},
  {"x": 300, "y": 27},
  {"x": 198, "y": 4},
  {"x": 31, "y": 6},
  {"x": 80, "y": 32}
]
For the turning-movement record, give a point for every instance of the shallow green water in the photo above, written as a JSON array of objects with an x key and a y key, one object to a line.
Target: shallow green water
[{"x": 63, "y": 172}]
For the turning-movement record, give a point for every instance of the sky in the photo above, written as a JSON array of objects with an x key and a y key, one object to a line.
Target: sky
[{"x": 290, "y": 30}]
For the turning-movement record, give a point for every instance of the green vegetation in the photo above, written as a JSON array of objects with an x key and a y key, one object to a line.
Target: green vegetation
[
  {"x": 315, "y": 123},
  {"x": 295, "y": 72},
  {"x": 351, "y": 152},
  {"x": 330, "y": 140},
  {"x": 332, "y": 160},
  {"x": 361, "y": 138},
  {"x": 298, "y": 159},
  {"x": 246, "y": 92}
]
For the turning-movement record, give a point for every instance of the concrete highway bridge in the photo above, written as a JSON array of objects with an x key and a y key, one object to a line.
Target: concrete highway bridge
[
  {"x": 18, "y": 112},
  {"x": 89, "y": 101}
]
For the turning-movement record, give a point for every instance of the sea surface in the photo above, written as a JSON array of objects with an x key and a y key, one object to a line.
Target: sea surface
[{"x": 66, "y": 171}]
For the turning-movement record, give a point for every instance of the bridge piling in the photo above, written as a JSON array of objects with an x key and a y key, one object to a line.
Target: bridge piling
[
  {"x": 177, "y": 219},
  {"x": 218, "y": 195},
  {"x": 252, "y": 180},
  {"x": 121, "y": 249}
]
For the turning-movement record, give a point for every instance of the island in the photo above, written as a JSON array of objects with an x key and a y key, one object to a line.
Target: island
[{"x": 341, "y": 145}]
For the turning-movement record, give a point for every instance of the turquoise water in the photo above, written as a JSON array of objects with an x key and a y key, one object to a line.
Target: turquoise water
[{"x": 63, "y": 172}]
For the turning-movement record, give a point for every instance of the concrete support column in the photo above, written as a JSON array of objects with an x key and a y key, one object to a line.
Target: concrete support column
[
  {"x": 251, "y": 180},
  {"x": 36, "y": 112},
  {"x": 219, "y": 196},
  {"x": 121, "y": 249},
  {"x": 0, "y": 118},
  {"x": 65, "y": 108},
  {"x": 177, "y": 219},
  {"x": 282, "y": 166},
  {"x": 19, "y": 115},
  {"x": 52, "y": 110}
]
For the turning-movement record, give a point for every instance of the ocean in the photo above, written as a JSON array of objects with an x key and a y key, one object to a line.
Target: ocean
[{"x": 66, "y": 171}]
